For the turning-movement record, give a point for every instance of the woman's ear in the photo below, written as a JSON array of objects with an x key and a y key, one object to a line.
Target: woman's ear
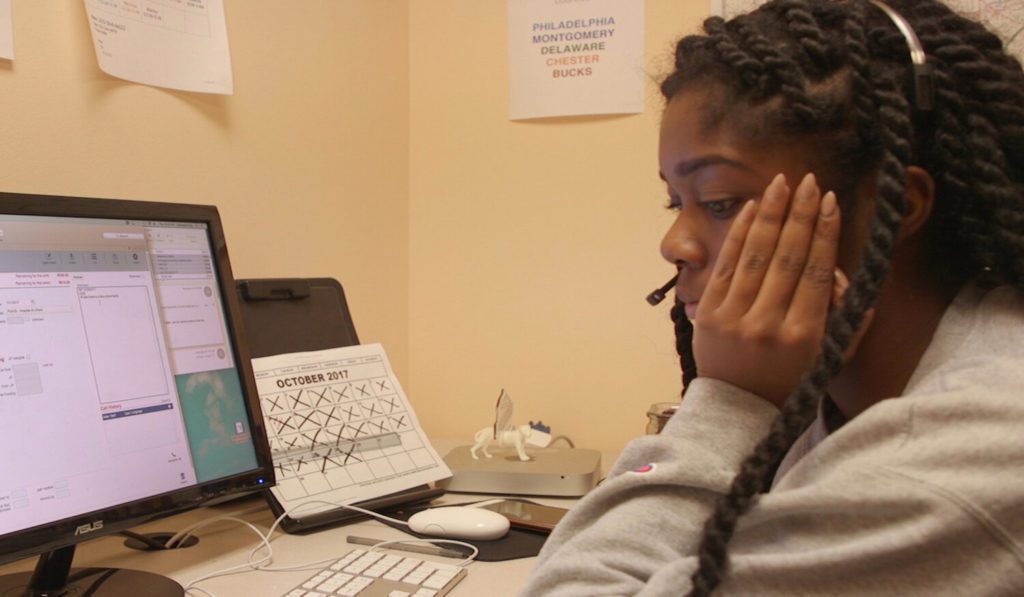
[{"x": 920, "y": 196}]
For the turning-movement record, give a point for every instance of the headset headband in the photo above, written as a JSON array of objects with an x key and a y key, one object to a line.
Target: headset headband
[{"x": 924, "y": 88}]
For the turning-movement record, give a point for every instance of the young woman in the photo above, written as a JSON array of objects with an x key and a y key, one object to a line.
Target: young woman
[{"x": 850, "y": 249}]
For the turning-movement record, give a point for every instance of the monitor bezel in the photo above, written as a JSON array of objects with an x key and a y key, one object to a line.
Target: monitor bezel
[{"x": 77, "y": 529}]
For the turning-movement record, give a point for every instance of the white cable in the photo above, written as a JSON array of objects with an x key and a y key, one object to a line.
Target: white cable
[
  {"x": 270, "y": 532},
  {"x": 249, "y": 565},
  {"x": 350, "y": 507},
  {"x": 186, "y": 532}
]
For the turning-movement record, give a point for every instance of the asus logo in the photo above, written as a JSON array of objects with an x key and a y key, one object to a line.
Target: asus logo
[{"x": 88, "y": 528}]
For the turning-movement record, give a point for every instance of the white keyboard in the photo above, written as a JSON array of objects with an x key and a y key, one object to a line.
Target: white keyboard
[{"x": 364, "y": 573}]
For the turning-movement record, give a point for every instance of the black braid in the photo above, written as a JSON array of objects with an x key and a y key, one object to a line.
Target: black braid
[
  {"x": 799, "y": 48},
  {"x": 806, "y": 31},
  {"x": 855, "y": 44},
  {"x": 751, "y": 71},
  {"x": 787, "y": 74},
  {"x": 684, "y": 343}
]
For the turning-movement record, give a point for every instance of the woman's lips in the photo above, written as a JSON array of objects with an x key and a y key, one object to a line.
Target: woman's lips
[{"x": 691, "y": 309}]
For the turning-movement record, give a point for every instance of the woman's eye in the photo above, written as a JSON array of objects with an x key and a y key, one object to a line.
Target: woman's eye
[
  {"x": 722, "y": 208},
  {"x": 674, "y": 203}
]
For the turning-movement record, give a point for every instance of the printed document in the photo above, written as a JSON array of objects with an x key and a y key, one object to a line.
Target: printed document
[
  {"x": 6, "y": 31},
  {"x": 179, "y": 44},
  {"x": 341, "y": 429}
]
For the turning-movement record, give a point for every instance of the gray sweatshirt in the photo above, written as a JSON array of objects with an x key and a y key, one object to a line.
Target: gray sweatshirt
[{"x": 922, "y": 494}]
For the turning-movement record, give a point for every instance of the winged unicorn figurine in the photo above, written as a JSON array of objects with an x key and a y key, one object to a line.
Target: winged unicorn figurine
[{"x": 503, "y": 431}]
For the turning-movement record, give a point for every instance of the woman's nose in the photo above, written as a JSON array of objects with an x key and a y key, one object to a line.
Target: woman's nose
[{"x": 681, "y": 247}]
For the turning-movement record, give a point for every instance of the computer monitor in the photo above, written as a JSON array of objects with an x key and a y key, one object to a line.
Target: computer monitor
[{"x": 126, "y": 391}]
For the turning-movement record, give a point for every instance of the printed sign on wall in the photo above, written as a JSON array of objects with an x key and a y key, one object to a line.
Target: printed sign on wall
[
  {"x": 180, "y": 44},
  {"x": 574, "y": 57},
  {"x": 6, "y": 31}
]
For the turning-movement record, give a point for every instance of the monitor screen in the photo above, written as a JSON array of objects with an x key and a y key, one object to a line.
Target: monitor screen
[{"x": 125, "y": 393}]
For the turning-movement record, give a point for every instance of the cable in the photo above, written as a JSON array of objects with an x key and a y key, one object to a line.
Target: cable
[
  {"x": 186, "y": 532},
  {"x": 148, "y": 541},
  {"x": 249, "y": 565},
  {"x": 370, "y": 513},
  {"x": 565, "y": 438}
]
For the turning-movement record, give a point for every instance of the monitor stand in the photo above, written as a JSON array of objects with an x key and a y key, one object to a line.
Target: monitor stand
[{"x": 54, "y": 577}]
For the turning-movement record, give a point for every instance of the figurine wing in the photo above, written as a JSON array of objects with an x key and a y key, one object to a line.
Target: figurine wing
[{"x": 503, "y": 414}]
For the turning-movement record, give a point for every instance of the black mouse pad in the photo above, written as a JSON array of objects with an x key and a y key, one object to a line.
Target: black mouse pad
[{"x": 518, "y": 543}]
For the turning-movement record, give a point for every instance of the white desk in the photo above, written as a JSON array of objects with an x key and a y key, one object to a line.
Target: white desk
[{"x": 226, "y": 544}]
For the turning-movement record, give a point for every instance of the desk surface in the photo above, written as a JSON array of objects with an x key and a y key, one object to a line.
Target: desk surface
[{"x": 226, "y": 544}]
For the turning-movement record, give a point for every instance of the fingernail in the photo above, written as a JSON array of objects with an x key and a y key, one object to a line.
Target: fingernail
[
  {"x": 748, "y": 210},
  {"x": 828, "y": 205},
  {"x": 842, "y": 284},
  {"x": 841, "y": 280},
  {"x": 777, "y": 190},
  {"x": 806, "y": 189}
]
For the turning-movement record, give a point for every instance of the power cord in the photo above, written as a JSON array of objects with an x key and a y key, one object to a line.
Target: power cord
[{"x": 565, "y": 438}]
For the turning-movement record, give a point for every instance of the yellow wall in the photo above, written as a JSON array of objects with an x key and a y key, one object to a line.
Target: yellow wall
[
  {"x": 533, "y": 244},
  {"x": 368, "y": 140},
  {"x": 307, "y": 161}
]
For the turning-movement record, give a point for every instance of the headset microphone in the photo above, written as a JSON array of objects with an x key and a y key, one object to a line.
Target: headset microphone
[{"x": 659, "y": 295}]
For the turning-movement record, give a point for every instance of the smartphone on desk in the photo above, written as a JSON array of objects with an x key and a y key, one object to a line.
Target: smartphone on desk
[{"x": 528, "y": 515}]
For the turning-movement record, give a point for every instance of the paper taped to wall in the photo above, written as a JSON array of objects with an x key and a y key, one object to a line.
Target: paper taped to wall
[
  {"x": 6, "y": 31},
  {"x": 179, "y": 44}
]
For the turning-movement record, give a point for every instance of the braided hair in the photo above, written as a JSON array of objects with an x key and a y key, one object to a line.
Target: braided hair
[{"x": 841, "y": 73}]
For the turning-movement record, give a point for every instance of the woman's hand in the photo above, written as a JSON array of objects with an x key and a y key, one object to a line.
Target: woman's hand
[{"x": 762, "y": 316}]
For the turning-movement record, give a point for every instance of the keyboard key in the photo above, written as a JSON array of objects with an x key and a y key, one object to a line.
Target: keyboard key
[
  {"x": 435, "y": 582},
  {"x": 366, "y": 573}
]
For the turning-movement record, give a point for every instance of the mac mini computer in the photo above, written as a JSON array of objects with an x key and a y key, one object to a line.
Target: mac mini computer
[{"x": 557, "y": 472}]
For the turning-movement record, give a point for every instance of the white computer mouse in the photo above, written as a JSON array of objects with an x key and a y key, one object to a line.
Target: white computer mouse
[{"x": 460, "y": 522}]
